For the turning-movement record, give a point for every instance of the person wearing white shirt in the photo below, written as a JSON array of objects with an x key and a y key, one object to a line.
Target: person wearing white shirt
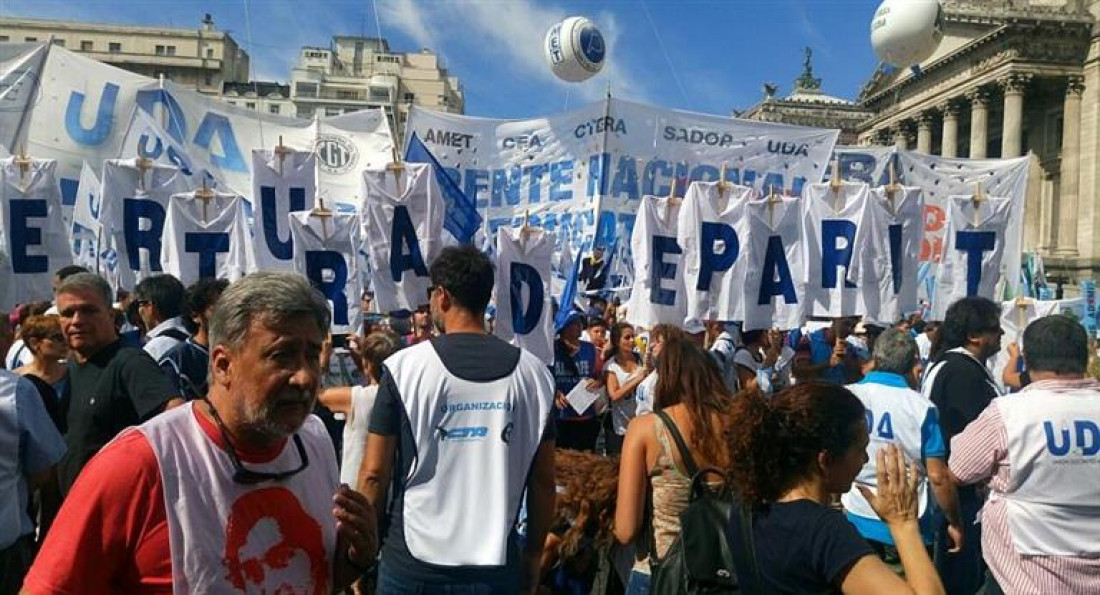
[
  {"x": 624, "y": 372},
  {"x": 160, "y": 300}
]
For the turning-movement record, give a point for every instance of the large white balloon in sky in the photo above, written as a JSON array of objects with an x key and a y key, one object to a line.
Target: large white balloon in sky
[
  {"x": 575, "y": 49},
  {"x": 906, "y": 32}
]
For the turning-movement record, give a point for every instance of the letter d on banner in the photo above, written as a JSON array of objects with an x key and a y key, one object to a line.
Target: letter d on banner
[{"x": 523, "y": 272}]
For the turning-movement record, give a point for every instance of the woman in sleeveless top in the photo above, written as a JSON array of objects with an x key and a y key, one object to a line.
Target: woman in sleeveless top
[
  {"x": 623, "y": 373},
  {"x": 691, "y": 392}
]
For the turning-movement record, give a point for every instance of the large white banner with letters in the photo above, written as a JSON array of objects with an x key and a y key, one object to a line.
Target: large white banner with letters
[{"x": 613, "y": 152}]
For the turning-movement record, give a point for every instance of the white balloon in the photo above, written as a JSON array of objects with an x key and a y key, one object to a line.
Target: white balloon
[
  {"x": 906, "y": 32},
  {"x": 575, "y": 49}
]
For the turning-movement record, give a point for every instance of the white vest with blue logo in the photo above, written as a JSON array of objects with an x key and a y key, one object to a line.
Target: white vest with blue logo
[
  {"x": 475, "y": 442},
  {"x": 1053, "y": 495}
]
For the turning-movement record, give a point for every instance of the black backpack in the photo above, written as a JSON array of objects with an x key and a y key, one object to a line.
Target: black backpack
[{"x": 702, "y": 559}]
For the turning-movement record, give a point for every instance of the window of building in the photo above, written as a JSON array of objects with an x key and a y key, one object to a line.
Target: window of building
[
  {"x": 305, "y": 89},
  {"x": 379, "y": 94},
  {"x": 170, "y": 50},
  {"x": 410, "y": 97},
  {"x": 332, "y": 111},
  {"x": 160, "y": 50},
  {"x": 30, "y": 39},
  {"x": 347, "y": 95},
  {"x": 388, "y": 59},
  {"x": 114, "y": 47},
  {"x": 305, "y": 112},
  {"x": 86, "y": 46},
  {"x": 208, "y": 79},
  {"x": 59, "y": 42},
  {"x": 273, "y": 109},
  {"x": 209, "y": 52},
  {"x": 250, "y": 105},
  {"x": 4, "y": 38},
  {"x": 232, "y": 102}
]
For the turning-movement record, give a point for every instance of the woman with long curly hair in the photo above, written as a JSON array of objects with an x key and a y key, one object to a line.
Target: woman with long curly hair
[
  {"x": 789, "y": 455},
  {"x": 691, "y": 392}
]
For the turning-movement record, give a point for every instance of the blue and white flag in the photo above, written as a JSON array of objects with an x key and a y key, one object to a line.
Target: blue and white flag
[{"x": 461, "y": 218}]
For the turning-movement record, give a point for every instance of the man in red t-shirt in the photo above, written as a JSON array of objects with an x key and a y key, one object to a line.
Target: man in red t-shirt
[{"x": 236, "y": 492}]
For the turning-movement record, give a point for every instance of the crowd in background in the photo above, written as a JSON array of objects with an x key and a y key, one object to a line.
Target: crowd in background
[{"x": 869, "y": 458}]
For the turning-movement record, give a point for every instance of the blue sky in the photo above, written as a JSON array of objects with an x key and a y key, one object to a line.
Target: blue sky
[{"x": 709, "y": 56}]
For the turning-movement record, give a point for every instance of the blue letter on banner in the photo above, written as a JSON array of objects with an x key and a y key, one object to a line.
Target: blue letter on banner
[
  {"x": 710, "y": 261},
  {"x": 776, "y": 275},
  {"x": 319, "y": 261},
  {"x": 659, "y": 270},
  {"x": 269, "y": 212},
  {"x": 405, "y": 247},
  {"x": 833, "y": 257},
  {"x": 133, "y": 211},
  {"x": 524, "y": 320},
  {"x": 23, "y": 236},
  {"x": 974, "y": 243},
  {"x": 207, "y": 245}
]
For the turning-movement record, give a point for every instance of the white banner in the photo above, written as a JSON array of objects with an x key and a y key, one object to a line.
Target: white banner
[
  {"x": 206, "y": 237},
  {"x": 524, "y": 313},
  {"x": 281, "y": 184},
  {"x": 35, "y": 243},
  {"x": 659, "y": 294},
  {"x": 609, "y": 154},
  {"x": 974, "y": 250},
  {"x": 20, "y": 72},
  {"x": 325, "y": 249}
]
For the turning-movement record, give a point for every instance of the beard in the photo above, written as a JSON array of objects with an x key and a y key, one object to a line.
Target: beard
[{"x": 268, "y": 417}]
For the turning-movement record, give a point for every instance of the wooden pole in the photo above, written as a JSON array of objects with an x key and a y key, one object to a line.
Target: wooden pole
[
  {"x": 978, "y": 197},
  {"x": 24, "y": 164},
  {"x": 205, "y": 195},
  {"x": 835, "y": 184},
  {"x": 281, "y": 153},
  {"x": 143, "y": 165},
  {"x": 397, "y": 168}
]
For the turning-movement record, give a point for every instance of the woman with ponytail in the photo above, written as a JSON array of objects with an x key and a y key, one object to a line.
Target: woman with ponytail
[
  {"x": 789, "y": 455},
  {"x": 691, "y": 392}
]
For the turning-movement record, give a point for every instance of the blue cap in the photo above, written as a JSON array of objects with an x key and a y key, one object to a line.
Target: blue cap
[{"x": 572, "y": 317}]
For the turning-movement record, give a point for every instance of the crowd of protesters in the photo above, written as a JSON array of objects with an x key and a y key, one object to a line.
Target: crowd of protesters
[{"x": 218, "y": 438}]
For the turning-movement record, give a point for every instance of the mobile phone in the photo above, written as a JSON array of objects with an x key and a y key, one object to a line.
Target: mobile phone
[{"x": 339, "y": 341}]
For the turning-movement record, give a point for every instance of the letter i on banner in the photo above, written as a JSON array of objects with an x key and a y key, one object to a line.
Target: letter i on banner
[
  {"x": 35, "y": 240},
  {"x": 325, "y": 247},
  {"x": 404, "y": 225},
  {"x": 206, "y": 236},
  {"x": 524, "y": 314},
  {"x": 283, "y": 181}
]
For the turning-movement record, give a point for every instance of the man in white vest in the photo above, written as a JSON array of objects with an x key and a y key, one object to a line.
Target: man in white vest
[
  {"x": 1039, "y": 451},
  {"x": 461, "y": 428},
  {"x": 233, "y": 493}
]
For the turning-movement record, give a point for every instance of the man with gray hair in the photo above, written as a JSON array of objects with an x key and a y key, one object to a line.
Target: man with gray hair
[
  {"x": 111, "y": 385},
  {"x": 236, "y": 492},
  {"x": 897, "y": 414}
]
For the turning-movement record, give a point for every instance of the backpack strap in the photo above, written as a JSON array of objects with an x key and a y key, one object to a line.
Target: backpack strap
[
  {"x": 681, "y": 445},
  {"x": 744, "y": 557}
]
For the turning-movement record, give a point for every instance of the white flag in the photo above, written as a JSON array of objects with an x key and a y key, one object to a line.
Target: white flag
[
  {"x": 280, "y": 186},
  {"x": 206, "y": 238},
  {"x": 36, "y": 243},
  {"x": 325, "y": 253},
  {"x": 659, "y": 290},
  {"x": 524, "y": 314}
]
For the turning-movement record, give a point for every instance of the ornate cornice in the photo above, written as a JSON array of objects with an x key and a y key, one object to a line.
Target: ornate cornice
[
  {"x": 1075, "y": 85},
  {"x": 1016, "y": 83},
  {"x": 979, "y": 96}
]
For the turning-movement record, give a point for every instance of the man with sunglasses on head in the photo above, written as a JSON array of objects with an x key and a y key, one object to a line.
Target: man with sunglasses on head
[
  {"x": 233, "y": 493},
  {"x": 461, "y": 427}
]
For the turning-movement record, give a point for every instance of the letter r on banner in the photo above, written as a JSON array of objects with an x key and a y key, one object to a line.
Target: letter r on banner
[
  {"x": 833, "y": 256},
  {"x": 712, "y": 261},
  {"x": 335, "y": 288},
  {"x": 134, "y": 210},
  {"x": 525, "y": 316}
]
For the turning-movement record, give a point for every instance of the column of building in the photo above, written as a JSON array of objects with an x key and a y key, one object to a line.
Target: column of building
[
  {"x": 1012, "y": 133},
  {"x": 979, "y": 121},
  {"x": 1070, "y": 168},
  {"x": 950, "y": 143}
]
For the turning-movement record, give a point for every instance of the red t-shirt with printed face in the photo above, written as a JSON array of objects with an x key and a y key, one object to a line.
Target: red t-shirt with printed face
[{"x": 111, "y": 534}]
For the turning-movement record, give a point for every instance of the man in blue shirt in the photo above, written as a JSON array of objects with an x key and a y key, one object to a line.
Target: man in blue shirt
[
  {"x": 825, "y": 354},
  {"x": 30, "y": 446},
  {"x": 574, "y": 362}
]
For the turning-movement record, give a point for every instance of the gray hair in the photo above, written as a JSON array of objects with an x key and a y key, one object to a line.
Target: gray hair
[
  {"x": 895, "y": 351},
  {"x": 272, "y": 297},
  {"x": 87, "y": 283}
]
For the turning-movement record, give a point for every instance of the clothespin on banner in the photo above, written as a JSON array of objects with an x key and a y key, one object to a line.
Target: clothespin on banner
[
  {"x": 723, "y": 184},
  {"x": 977, "y": 199},
  {"x": 206, "y": 195},
  {"x": 24, "y": 164},
  {"x": 671, "y": 198},
  {"x": 323, "y": 213},
  {"x": 835, "y": 183},
  {"x": 525, "y": 229},
  {"x": 892, "y": 187},
  {"x": 281, "y": 153},
  {"x": 397, "y": 168},
  {"x": 1021, "y": 314},
  {"x": 143, "y": 165},
  {"x": 772, "y": 200}
]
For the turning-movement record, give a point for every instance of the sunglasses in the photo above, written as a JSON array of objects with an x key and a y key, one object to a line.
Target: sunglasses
[{"x": 246, "y": 476}]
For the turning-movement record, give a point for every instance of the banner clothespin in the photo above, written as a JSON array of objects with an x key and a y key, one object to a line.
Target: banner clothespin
[
  {"x": 723, "y": 185},
  {"x": 143, "y": 165},
  {"x": 205, "y": 195},
  {"x": 525, "y": 229},
  {"x": 397, "y": 168},
  {"x": 671, "y": 198},
  {"x": 324, "y": 214},
  {"x": 771, "y": 202},
  {"x": 892, "y": 187},
  {"x": 281, "y": 153},
  {"x": 835, "y": 184},
  {"x": 977, "y": 199},
  {"x": 24, "y": 164}
]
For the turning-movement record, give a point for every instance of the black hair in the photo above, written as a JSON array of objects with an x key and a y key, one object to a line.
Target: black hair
[
  {"x": 163, "y": 291},
  {"x": 1057, "y": 344},
  {"x": 466, "y": 274},
  {"x": 202, "y": 294},
  {"x": 964, "y": 319},
  {"x": 69, "y": 270}
]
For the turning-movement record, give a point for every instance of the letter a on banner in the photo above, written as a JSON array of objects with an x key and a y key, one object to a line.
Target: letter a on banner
[
  {"x": 774, "y": 264},
  {"x": 524, "y": 313},
  {"x": 404, "y": 227},
  {"x": 283, "y": 181},
  {"x": 35, "y": 242},
  {"x": 659, "y": 293},
  {"x": 833, "y": 219},
  {"x": 206, "y": 235},
  {"x": 973, "y": 250},
  {"x": 135, "y": 207},
  {"x": 325, "y": 253}
]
